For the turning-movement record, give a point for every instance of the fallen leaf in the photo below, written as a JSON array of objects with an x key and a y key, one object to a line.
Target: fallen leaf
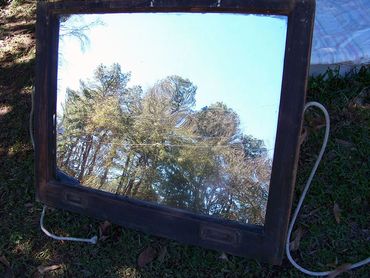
[
  {"x": 4, "y": 110},
  {"x": 8, "y": 270},
  {"x": 344, "y": 143},
  {"x": 337, "y": 211},
  {"x": 4, "y": 261},
  {"x": 362, "y": 100},
  {"x": 162, "y": 253},
  {"x": 297, "y": 235},
  {"x": 86, "y": 273},
  {"x": 223, "y": 257},
  {"x": 104, "y": 229},
  {"x": 339, "y": 270},
  {"x": 317, "y": 123},
  {"x": 331, "y": 155},
  {"x": 304, "y": 134},
  {"x": 147, "y": 256},
  {"x": 43, "y": 269},
  {"x": 28, "y": 205}
]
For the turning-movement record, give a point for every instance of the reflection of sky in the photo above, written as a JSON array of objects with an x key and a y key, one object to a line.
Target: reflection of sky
[{"x": 236, "y": 59}]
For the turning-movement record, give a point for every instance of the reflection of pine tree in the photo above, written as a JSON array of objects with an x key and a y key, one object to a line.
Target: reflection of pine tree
[
  {"x": 154, "y": 146},
  {"x": 75, "y": 26}
]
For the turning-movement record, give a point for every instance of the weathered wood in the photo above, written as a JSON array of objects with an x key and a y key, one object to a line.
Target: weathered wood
[{"x": 265, "y": 243}]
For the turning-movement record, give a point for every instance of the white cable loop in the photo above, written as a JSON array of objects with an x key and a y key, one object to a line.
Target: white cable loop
[
  {"x": 92, "y": 240},
  {"x": 307, "y": 186}
]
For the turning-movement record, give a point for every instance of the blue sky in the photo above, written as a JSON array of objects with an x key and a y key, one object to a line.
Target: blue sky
[{"x": 237, "y": 59}]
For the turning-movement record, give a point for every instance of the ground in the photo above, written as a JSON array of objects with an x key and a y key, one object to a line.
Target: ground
[{"x": 334, "y": 222}]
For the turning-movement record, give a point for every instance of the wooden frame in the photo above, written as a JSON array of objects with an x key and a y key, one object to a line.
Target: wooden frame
[{"x": 263, "y": 242}]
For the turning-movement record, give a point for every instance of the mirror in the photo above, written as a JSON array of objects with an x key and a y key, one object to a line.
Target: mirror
[{"x": 177, "y": 109}]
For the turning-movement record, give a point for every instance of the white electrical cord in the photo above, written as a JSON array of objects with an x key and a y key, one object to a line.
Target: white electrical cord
[
  {"x": 307, "y": 186},
  {"x": 92, "y": 240}
]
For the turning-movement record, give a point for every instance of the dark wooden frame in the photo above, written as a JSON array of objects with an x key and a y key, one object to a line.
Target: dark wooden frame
[{"x": 263, "y": 242}]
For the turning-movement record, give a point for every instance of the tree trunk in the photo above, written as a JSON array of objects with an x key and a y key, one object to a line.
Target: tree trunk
[
  {"x": 70, "y": 154},
  {"x": 84, "y": 157},
  {"x": 92, "y": 163},
  {"x": 129, "y": 187},
  {"x": 136, "y": 188},
  {"x": 104, "y": 177},
  {"x": 108, "y": 163},
  {"x": 124, "y": 173}
]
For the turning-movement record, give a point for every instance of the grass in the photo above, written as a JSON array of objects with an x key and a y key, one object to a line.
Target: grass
[{"x": 342, "y": 179}]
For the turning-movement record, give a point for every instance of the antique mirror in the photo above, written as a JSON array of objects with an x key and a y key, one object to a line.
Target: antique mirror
[{"x": 177, "y": 118}]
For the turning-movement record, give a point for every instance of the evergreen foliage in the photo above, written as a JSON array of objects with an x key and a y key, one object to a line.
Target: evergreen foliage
[{"x": 155, "y": 146}]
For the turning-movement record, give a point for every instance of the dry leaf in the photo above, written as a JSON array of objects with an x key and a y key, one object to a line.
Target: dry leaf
[
  {"x": 28, "y": 205},
  {"x": 104, "y": 229},
  {"x": 223, "y": 257},
  {"x": 5, "y": 109},
  {"x": 4, "y": 261},
  {"x": 339, "y": 270},
  {"x": 304, "y": 134},
  {"x": 317, "y": 123},
  {"x": 344, "y": 143},
  {"x": 147, "y": 256},
  {"x": 162, "y": 254},
  {"x": 362, "y": 100},
  {"x": 297, "y": 235},
  {"x": 86, "y": 273},
  {"x": 8, "y": 270},
  {"x": 336, "y": 211},
  {"x": 42, "y": 269}
]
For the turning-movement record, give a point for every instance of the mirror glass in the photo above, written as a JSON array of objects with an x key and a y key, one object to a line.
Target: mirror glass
[{"x": 177, "y": 109}]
